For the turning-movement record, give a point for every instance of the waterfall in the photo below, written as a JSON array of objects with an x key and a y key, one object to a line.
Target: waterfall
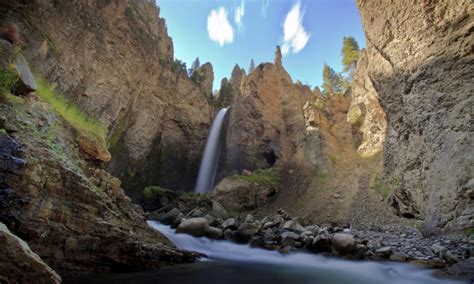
[{"x": 208, "y": 167}]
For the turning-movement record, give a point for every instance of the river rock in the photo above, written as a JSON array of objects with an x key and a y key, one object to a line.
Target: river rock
[
  {"x": 384, "y": 252},
  {"x": 249, "y": 218},
  {"x": 322, "y": 243},
  {"x": 438, "y": 249},
  {"x": 214, "y": 233},
  {"x": 196, "y": 227},
  {"x": 218, "y": 210},
  {"x": 19, "y": 264},
  {"x": 173, "y": 217},
  {"x": 229, "y": 223},
  {"x": 293, "y": 225},
  {"x": 246, "y": 231},
  {"x": 343, "y": 243},
  {"x": 288, "y": 239},
  {"x": 230, "y": 235}
]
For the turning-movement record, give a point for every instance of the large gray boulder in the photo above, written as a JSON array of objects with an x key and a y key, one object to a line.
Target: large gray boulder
[
  {"x": 10, "y": 58},
  {"x": 196, "y": 227},
  {"x": 19, "y": 264},
  {"x": 343, "y": 243}
]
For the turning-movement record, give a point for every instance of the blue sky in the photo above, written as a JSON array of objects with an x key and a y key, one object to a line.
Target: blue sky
[{"x": 229, "y": 32}]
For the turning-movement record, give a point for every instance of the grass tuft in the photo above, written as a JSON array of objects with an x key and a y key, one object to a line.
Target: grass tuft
[
  {"x": 267, "y": 177},
  {"x": 85, "y": 124}
]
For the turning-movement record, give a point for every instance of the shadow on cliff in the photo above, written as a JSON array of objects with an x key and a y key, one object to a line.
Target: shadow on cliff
[{"x": 428, "y": 149}]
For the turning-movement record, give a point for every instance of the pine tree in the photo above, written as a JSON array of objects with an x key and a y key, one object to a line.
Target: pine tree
[
  {"x": 350, "y": 53},
  {"x": 332, "y": 82},
  {"x": 252, "y": 66},
  {"x": 194, "y": 66}
]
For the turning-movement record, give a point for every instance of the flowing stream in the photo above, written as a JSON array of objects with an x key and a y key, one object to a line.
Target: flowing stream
[
  {"x": 243, "y": 264},
  {"x": 208, "y": 167},
  {"x": 230, "y": 263}
]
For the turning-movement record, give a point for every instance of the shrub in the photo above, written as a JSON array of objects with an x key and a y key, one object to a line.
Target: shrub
[
  {"x": 151, "y": 191},
  {"x": 83, "y": 123}
]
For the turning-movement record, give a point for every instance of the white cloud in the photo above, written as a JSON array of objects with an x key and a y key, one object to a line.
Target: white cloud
[
  {"x": 239, "y": 13},
  {"x": 265, "y": 5},
  {"x": 295, "y": 37},
  {"x": 219, "y": 28}
]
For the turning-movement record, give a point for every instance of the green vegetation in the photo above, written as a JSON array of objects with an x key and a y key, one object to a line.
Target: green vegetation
[
  {"x": 85, "y": 124},
  {"x": 8, "y": 79},
  {"x": 380, "y": 186},
  {"x": 267, "y": 177},
  {"x": 151, "y": 191},
  {"x": 252, "y": 66},
  {"x": 339, "y": 83},
  {"x": 350, "y": 53},
  {"x": 332, "y": 82}
]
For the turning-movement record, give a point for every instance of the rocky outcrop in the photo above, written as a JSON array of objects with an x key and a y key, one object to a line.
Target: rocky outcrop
[
  {"x": 19, "y": 264},
  {"x": 204, "y": 78},
  {"x": 230, "y": 90},
  {"x": 238, "y": 194},
  {"x": 266, "y": 122},
  {"x": 73, "y": 214},
  {"x": 115, "y": 60},
  {"x": 365, "y": 113},
  {"x": 420, "y": 64},
  {"x": 12, "y": 60}
]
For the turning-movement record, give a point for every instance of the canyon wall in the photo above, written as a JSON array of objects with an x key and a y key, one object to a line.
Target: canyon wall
[
  {"x": 419, "y": 60},
  {"x": 115, "y": 60},
  {"x": 266, "y": 124}
]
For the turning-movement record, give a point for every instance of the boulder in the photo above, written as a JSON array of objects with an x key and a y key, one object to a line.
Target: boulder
[
  {"x": 343, "y": 243},
  {"x": 384, "y": 252},
  {"x": 173, "y": 217},
  {"x": 218, "y": 210},
  {"x": 229, "y": 223},
  {"x": 288, "y": 239},
  {"x": 26, "y": 83},
  {"x": 239, "y": 195},
  {"x": 322, "y": 243},
  {"x": 230, "y": 235},
  {"x": 94, "y": 150},
  {"x": 293, "y": 225},
  {"x": 246, "y": 231},
  {"x": 249, "y": 218},
  {"x": 196, "y": 227},
  {"x": 19, "y": 264},
  {"x": 214, "y": 233}
]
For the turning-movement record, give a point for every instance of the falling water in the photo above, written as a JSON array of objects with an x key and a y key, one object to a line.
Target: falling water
[{"x": 207, "y": 170}]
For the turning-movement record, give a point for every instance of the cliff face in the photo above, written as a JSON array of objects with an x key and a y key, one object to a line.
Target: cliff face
[
  {"x": 420, "y": 63},
  {"x": 115, "y": 60},
  {"x": 365, "y": 114},
  {"x": 266, "y": 122},
  {"x": 74, "y": 215}
]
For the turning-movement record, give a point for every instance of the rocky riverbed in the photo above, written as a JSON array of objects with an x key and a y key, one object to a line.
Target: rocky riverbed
[{"x": 285, "y": 233}]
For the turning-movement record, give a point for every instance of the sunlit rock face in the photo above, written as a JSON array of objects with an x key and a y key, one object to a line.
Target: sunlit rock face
[
  {"x": 266, "y": 122},
  {"x": 420, "y": 64},
  {"x": 115, "y": 59},
  {"x": 365, "y": 113}
]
